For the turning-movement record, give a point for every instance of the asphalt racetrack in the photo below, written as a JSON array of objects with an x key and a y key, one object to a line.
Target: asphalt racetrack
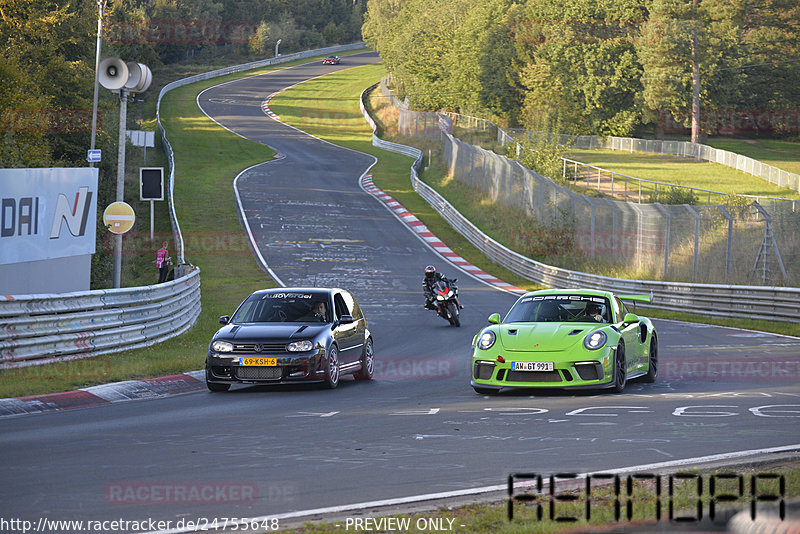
[{"x": 418, "y": 428}]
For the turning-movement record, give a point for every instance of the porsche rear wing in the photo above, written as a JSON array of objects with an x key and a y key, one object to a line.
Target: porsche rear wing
[{"x": 637, "y": 298}]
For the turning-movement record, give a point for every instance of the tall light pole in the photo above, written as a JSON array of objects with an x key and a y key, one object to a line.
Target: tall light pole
[
  {"x": 276, "y": 48},
  {"x": 123, "y": 115},
  {"x": 101, "y": 5}
]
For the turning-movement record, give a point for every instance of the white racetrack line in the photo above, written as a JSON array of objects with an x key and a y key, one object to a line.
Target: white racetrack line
[
  {"x": 371, "y": 505},
  {"x": 375, "y": 160},
  {"x": 356, "y": 507}
]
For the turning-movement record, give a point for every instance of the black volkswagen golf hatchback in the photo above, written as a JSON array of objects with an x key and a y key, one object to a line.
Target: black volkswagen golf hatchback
[{"x": 285, "y": 335}]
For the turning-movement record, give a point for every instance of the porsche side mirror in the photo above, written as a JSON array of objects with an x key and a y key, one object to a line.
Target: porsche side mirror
[
  {"x": 224, "y": 319},
  {"x": 346, "y": 319},
  {"x": 494, "y": 318},
  {"x": 630, "y": 318}
]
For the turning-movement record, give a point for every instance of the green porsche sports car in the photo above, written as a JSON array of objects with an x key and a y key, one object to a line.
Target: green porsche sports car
[{"x": 561, "y": 338}]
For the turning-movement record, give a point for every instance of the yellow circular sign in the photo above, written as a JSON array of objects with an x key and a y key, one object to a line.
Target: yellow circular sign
[{"x": 118, "y": 217}]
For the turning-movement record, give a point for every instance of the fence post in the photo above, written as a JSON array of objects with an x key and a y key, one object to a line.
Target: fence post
[
  {"x": 696, "y": 240},
  {"x": 668, "y": 217},
  {"x": 729, "y": 246}
]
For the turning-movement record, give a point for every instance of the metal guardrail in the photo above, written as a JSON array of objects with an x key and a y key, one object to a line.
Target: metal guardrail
[
  {"x": 216, "y": 74},
  {"x": 37, "y": 329},
  {"x": 45, "y": 328},
  {"x": 728, "y": 301}
]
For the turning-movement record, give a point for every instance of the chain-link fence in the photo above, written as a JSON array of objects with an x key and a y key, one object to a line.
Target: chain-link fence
[
  {"x": 753, "y": 244},
  {"x": 686, "y": 149}
]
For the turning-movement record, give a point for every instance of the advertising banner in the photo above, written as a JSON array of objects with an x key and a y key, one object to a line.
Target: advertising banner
[{"x": 47, "y": 213}]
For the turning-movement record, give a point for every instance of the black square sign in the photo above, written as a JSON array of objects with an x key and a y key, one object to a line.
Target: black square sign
[{"x": 151, "y": 183}]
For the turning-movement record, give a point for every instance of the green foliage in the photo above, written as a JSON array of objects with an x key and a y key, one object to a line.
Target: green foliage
[
  {"x": 674, "y": 195},
  {"x": 608, "y": 68},
  {"x": 541, "y": 151},
  {"x": 446, "y": 53},
  {"x": 260, "y": 41}
]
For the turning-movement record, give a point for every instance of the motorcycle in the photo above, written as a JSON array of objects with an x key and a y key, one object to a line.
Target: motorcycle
[{"x": 446, "y": 301}]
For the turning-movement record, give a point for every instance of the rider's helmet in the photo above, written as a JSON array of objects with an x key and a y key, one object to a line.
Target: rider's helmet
[{"x": 430, "y": 272}]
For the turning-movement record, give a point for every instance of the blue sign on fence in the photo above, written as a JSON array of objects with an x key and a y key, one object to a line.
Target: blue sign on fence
[{"x": 93, "y": 156}]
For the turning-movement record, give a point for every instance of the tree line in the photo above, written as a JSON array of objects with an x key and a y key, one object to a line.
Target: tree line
[
  {"x": 47, "y": 57},
  {"x": 620, "y": 67}
]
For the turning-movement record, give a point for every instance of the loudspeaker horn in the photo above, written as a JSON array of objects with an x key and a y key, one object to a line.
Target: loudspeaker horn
[
  {"x": 113, "y": 73},
  {"x": 147, "y": 79},
  {"x": 134, "y": 74},
  {"x": 139, "y": 77}
]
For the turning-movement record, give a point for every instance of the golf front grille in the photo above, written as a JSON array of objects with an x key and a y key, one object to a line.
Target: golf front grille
[
  {"x": 258, "y": 348},
  {"x": 257, "y": 373},
  {"x": 533, "y": 376}
]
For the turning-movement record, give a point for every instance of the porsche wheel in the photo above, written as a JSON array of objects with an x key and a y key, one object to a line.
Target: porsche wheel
[
  {"x": 620, "y": 374},
  {"x": 332, "y": 368},
  {"x": 367, "y": 362},
  {"x": 652, "y": 368}
]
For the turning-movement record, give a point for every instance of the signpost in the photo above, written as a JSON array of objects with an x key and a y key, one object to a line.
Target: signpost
[
  {"x": 143, "y": 139},
  {"x": 93, "y": 155},
  {"x": 119, "y": 217},
  {"x": 151, "y": 187}
]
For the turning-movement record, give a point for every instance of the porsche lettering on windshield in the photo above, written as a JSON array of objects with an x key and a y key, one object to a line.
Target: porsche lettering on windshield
[{"x": 584, "y": 298}]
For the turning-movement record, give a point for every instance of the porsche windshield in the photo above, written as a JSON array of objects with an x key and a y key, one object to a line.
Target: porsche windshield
[
  {"x": 560, "y": 308},
  {"x": 284, "y": 308}
]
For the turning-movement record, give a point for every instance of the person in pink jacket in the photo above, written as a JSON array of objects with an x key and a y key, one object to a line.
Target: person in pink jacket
[{"x": 163, "y": 262}]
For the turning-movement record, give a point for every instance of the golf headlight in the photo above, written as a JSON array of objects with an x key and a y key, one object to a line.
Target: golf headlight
[
  {"x": 595, "y": 340},
  {"x": 300, "y": 346},
  {"x": 486, "y": 340},
  {"x": 222, "y": 346}
]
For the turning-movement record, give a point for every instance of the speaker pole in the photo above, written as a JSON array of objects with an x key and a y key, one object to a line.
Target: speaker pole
[
  {"x": 123, "y": 114},
  {"x": 100, "y": 6}
]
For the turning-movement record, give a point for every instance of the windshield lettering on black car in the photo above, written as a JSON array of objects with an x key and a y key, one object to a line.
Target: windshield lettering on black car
[{"x": 284, "y": 308}]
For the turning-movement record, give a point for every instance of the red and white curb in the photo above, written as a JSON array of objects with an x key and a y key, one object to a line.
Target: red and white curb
[
  {"x": 265, "y": 107},
  {"x": 148, "y": 388},
  {"x": 434, "y": 242}
]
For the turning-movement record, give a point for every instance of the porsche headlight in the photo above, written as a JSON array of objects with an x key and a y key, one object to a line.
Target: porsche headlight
[
  {"x": 486, "y": 340},
  {"x": 300, "y": 346},
  {"x": 222, "y": 346},
  {"x": 595, "y": 340}
]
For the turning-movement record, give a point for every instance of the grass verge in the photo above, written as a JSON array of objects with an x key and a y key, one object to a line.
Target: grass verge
[
  {"x": 328, "y": 108},
  {"x": 570, "y": 505},
  {"x": 207, "y": 159},
  {"x": 686, "y": 171},
  {"x": 782, "y": 154}
]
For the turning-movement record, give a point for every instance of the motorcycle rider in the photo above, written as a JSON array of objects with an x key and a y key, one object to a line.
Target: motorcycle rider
[{"x": 431, "y": 277}]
